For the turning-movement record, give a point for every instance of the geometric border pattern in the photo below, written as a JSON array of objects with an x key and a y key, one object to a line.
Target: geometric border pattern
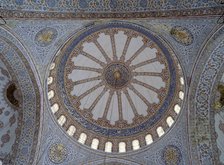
[{"x": 115, "y": 15}]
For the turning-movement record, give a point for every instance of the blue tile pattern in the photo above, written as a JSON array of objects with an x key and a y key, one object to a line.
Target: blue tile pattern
[{"x": 106, "y": 5}]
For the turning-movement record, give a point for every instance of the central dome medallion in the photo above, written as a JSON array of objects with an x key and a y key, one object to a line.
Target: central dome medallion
[
  {"x": 114, "y": 85},
  {"x": 117, "y": 75}
]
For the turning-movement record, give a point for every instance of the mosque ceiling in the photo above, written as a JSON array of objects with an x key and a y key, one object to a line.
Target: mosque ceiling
[
  {"x": 111, "y": 91},
  {"x": 47, "y": 41}
]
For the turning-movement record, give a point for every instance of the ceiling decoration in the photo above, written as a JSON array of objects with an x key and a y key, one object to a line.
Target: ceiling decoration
[
  {"x": 171, "y": 155},
  {"x": 108, "y": 8},
  {"x": 10, "y": 110},
  {"x": 19, "y": 103},
  {"x": 114, "y": 81},
  {"x": 46, "y": 36},
  {"x": 113, "y": 86},
  {"x": 57, "y": 153},
  {"x": 182, "y": 35}
]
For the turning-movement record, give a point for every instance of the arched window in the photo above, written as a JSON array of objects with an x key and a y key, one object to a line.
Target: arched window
[
  {"x": 49, "y": 80},
  {"x": 82, "y": 138},
  {"x": 52, "y": 66},
  {"x": 160, "y": 131},
  {"x": 108, "y": 147},
  {"x": 135, "y": 144},
  {"x": 122, "y": 147},
  {"x": 61, "y": 120},
  {"x": 50, "y": 94},
  {"x": 182, "y": 81},
  {"x": 181, "y": 95},
  {"x": 148, "y": 139},
  {"x": 169, "y": 121},
  {"x": 71, "y": 130},
  {"x": 177, "y": 109},
  {"x": 55, "y": 108},
  {"x": 95, "y": 144}
]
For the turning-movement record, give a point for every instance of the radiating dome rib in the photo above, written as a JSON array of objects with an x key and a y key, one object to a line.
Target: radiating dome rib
[
  {"x": 112, "y": 115},
  {"x": 146, "y": 85},
  {"x": 134, "y": 45},
  {"x": 148, "y": 54},
  {"x": 119, "y": 99},
  {"x": 143, "y": 63},
  {"x": 127, "y": 111},
  {"x": 91, "y": 48},
  {"x": 137, "y": 53},
  {"x": 124, "y": 52},
  {"x": 100, "y": 48},
  {"x": 77, "y": 75},
  {"x": 80, "y": 97},
  {"x": 81, "y": 88},
  {"x": 86, "y": 80},
  {"x": 134, "y": 110},
  {"x": 98, "y": 61},
  {"x": 141, "y": 107},
  {"x": 98, "y": 70},
  {"x": 105, "y": 47},
  {"x": 140, "y": 95},
  {"x": 97, "y": 99},
  {"x": 108, "y": 104},
  {"x": 156, "y": 67},
  {"x": 82, "y": 60},
  {"x": 154, "y": 81},
  {"x": 100, "y": 107},
  {"x": 88, "y": 102}
]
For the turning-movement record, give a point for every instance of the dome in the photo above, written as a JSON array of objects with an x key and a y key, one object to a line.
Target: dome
[{"x": 115, "y": 87}]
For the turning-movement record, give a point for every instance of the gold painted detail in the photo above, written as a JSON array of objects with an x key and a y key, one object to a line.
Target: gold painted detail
[
  {"x": 220, "y": 103},
  {"x": 57, "y": 153},
  {"x": 45, "y": 37},
  {"x": 117, "y": 74}
]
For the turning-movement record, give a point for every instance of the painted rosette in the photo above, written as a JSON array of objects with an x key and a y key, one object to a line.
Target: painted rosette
[{"x": 115, "y": 87}]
